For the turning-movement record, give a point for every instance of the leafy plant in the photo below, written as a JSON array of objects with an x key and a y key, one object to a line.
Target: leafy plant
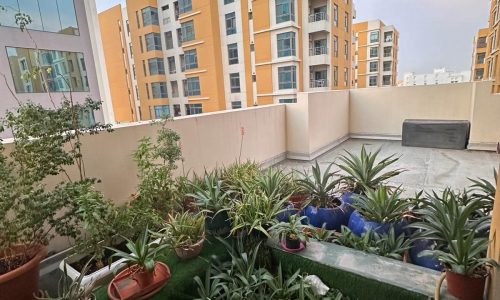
[
  {"x": 322, "y": 234},
  {"x": 293, "y": 229},
  {"x": 183, "y": 230},
  {"x": 364, "y": 172},
  {"x": 320, "y": 186},
  {"x": 485, "y": 190},
  {"x": 209, "y": 194},
  {"x": 381, "y": 205},
  {"x": 275, "y": 184},
  {"x": 238, "y": 176}
]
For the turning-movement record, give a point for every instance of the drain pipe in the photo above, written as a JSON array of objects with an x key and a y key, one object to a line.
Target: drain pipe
[{"x": 439, "y": 283}]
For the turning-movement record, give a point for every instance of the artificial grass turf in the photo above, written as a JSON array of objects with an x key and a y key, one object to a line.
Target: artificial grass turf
[
  {"x": 351, "y": 285},
  {"x": 181, "y": 284}
]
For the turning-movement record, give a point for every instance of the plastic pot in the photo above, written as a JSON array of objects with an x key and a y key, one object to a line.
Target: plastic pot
[
  {"x": 285, "y": 215},
  {"x": 359, "y": 225},
  {"x": 465, "y": 287},
  {"x": 292, "y": 244},
  {"x": 429, "y": 262},
  {"x": 334, "y": 218},
  {"x": 348, "y": 199}
]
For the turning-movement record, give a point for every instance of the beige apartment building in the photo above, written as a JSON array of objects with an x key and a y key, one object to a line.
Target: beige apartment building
[
  {"x": 375, "y": 56},
  {"x": 480, "y": 49},
  {"x": 492, "y": 54},
  {"x": 185, "y": 57}
]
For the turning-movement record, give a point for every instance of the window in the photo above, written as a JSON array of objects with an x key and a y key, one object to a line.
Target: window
[
  {"x": 144, "y": 68},
  {"x": 156, "y": 66},
  {"x": 236, "y": 104},
  {"x": 346, "y": 76},
  {"x": 386, "y": 80},
  {"x": 374, "y": 52},
  {"x": 171, "y": 65},
  {"x": 177, "y": 110},
  {"x": 287, "y": 77},
  {"x": 285, "y": 11},
  {"x": 373, "y": 66},
  {"x": 190, "y": 60},
  {"x": 336, "y": 15},
  {"x": 374, "y": 36},
  {"x": 153, "y": 41},
  {"x": 388, "y": 51},
  {"x": 159, "y": 90},
  {"x": 388, "y": 36},
  {"x": 228, "y": 1},
  {"x": 346, "y": 22},
  {"x": 194, "y": 109},
  {"x": 147, "y": 91},
  {"x": 187, "y": 31},
  {"x": 335, "y": 76},
  {"x": 232, "y": 53},
  {"x": 288, "y": 101},
  {"x": 346, "y": 49},
  {"x": 137, "y": 18},
  {"x": 57, "y": 16},
  {"x": 481, "y": 42},
  {"x": 230, "y": 23},
  {"x": 372, "y": 81},
  {"x": 176, "y": 10},
  {"x": 60, "y": 79},
  {"x": 191, "y": 86},
  {"x": 286, "y": 44},
  {"x": 185, "y": 6},
  {"x": 480, "y": 58},
  {"x": 493, "y": 41},
  {"x": 162, "y": 111},
  {"x": 478, "y": 74},
  {"x": 234, "y": 81},
  {"x": 335, "y": 46},
  {"x": 179, "y": 37},
  {"x": 150, "y": 16},
  {"x": 387, "y": 66},
  {"x": 319, "y": 47},
  {"x": 169, "y": 41}
]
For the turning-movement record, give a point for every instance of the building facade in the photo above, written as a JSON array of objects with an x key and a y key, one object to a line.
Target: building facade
[
  {"x": 62, "y": 40},
  {"x": 492, "y": 67},
  {"x": 438, "y": 76},
  {"x": 375, "y": 56},
  {"x": 200, "y": 56},
  {"x": 480, "y": 48}
]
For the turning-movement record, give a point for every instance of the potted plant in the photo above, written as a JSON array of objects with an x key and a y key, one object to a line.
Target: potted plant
[
  {"x": 379, "y": 210},
  {"x": 324, "y": 207},
  {"x": 364, "y": 171},
  {"x": 212, "y": 199},
  {"x": 185, "y": 233},
  {"x": 143, "y": 276},
  {"x": 486, "y": 190},
  {"x": 276, "y": 184},
  {"x": 293, "y": 234}
]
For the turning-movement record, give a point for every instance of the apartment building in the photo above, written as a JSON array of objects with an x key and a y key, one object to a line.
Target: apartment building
[
  {"x": 214, "y": 55},
  {"x": 375, "y": 56},
  {"x": 492, "y": 67},
  {"x": 438, "y": 76},
  {"x": 480, "y": 48},
  {"x": 65, "y": 33}
]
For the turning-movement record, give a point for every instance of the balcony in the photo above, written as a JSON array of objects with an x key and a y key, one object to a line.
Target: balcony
[
  {"x": 318, "y": 22},
  {"x": 318, "y": 56},
  {"x": 315, "y": 83}
]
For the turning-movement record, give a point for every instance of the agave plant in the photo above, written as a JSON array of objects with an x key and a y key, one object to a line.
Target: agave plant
[
  {"x": 275, "y": 184},
  {"x": 320, "y": 186},
  {"x": 485, "y": 190},
  {"x": 183, "y": 230},
  {"x": 382, "y": 205},
  {"x": 209, "y": 194},
  {"x": 364, "y": 172}
]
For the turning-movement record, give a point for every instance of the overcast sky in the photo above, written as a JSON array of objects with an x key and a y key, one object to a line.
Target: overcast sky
[{"x": 433, "y": 33}]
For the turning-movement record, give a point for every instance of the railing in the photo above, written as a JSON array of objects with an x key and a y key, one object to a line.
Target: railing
[
  {"x": 319, "y": 16},
  {"x": 322, "y": 50},
  {"x": 319, "y": 83}
]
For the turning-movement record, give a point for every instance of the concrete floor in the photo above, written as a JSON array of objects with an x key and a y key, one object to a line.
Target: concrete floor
[{"x": 427, "y": 169}]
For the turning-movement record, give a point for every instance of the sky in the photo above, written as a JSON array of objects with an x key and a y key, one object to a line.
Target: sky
[{"x": 433, "y": 33}]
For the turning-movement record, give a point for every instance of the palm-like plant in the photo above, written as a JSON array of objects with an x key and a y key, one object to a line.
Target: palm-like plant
[
  {"x": 320, "y": 185},
  {"x": 382, "y": 205},
  {"x": 486, "y": 190},
  {"x": 293, "y": 229},
  {"x": 364, "y": 172},
  {"x": 209, "y": 194}
]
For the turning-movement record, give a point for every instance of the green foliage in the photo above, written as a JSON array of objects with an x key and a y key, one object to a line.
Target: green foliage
[
  {"x": 362, "y": 171},
  {"x": 183, "y": 230},
  {"x": 486, "y": 190},
  {"x": 275, "y": 184},
  {"x": 322, "y": 234},
  {"x": 381, "y": 205},
  {"x": 320, "y": 186},
  {"x": 156, "y": 163},
  {"x": 209, "y": 194},
  {"x": 294, "y": 228},
  {"x": 238, "y": 176}
]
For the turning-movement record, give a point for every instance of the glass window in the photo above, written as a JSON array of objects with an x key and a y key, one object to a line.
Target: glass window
[
  {"x": 187, "y": 31},
  {"x": 230, "y": 23},
  {"x": 185, "y": 6},
  {"x": 388, "y": 36},
  {"x": 286, "y": 44},
  {"x": 387, "y": 66},
  {"x": 346, "y": 76},
  {"x": 30, "y": 7},
  {"x": 387, "y": 51},
  {"x": 156, "y": 66},
  {"x": 346, "y": 49},
  {"x": 162, "y": 111},
  {"x": 374, "y": 52},
  {"x": 232, "y": 53},
  {"x": 175, "y": 88},
  {"x": 236, "y": 104},
  {"x": 190, "y": 59},
  {"x": 234, "y": 80},
  {"x": 386, "y": 79},
  {"x": 228, "y": 1},
  {"x": 169, "y": 41},
  {"x": 285, "y": 11},
  {"x": 373, "y": 81},
  {"x": 336, "y": 15},
  {"x": 171, "y": 65},
  {"x": 479, "y": 74},
  {"x": 65, "y": 75},
  {"x": 336, "y": 46},
  {"x": 194, "y": 109},
  {"x": 179, "y": 37},
  {"x": 374, "y": 36},
  {"x": 159, "y": 90},
  {"x": 287, "y": 77},
  {"x": 291, "y": 100},
  {"x": 8, "y": 14},
  {"x": 335, "y": 76},
  {"x": 150, "y": 16},
  {"x": 373, "y": 66},
  {"x": 153, "y": 41},
  {"x": 480, "y": 58},
  {"x": 67, "y": 15},
  {"x": 49, "y": 15},
  {"x": 191, "y": 86},
  {"x": 346, "y": 22},
  {"x": 177, "y": 110}
]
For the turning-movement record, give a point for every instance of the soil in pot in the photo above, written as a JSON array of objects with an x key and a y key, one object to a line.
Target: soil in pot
[
  {"x": 292, "y": 242},
  {"x": 467, "y": 287},
  {"x": 298, "y": 200},
  {"x": 97, "y": 265}
]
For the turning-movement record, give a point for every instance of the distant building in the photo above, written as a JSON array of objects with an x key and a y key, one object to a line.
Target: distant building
[
  {"x": 375, "y": 55},
  {"x": 439, "y": 76},
  {"x": 480, "y": 47}
]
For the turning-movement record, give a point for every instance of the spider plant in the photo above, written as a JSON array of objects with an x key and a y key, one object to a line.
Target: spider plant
[
  {"x": 209, "y": 194},
  {"x": 275, "y": 184},
  {"x": 382, "y": 205},
  {"x": 320, "y": 186},
  {"x": 364, "y": 172},
  {"x": 293, "y": 229},
  {"x": 486, "y": 190},
  {"x": 183, "y": 230},
  {"x": 322, "y": 234}
]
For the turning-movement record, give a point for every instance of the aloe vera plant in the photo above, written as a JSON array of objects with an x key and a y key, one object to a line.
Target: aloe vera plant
[{"x": 381, "y": 205}]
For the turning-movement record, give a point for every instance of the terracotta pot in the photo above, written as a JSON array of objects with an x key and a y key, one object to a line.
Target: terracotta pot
[
  {"x": 22, "y": 283},
  {"x": 465, "y": 287},
  {"x": 190, "y": 251}
]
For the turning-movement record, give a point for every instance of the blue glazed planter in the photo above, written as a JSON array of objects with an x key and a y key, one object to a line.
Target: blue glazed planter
[
  {"x": 348, "y": 199},
  {"x": 359, "y": 225},
  {"x": 334, "y": 218},
  {"x": 424, "y": 261},
  {"x": 285, "y": 215}
]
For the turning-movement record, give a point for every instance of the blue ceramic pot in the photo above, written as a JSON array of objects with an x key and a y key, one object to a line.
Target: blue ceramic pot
[
  {"x": 348, "y": 199},
  {"x": 359, "y": 225},
  {"x": 334, "y": 218},
  {"x": 424, "y": 261},
  {"x": 285, "y": 215}
]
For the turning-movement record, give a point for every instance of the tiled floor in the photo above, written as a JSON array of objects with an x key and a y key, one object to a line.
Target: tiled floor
[{"x": 427, "y": 169}]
